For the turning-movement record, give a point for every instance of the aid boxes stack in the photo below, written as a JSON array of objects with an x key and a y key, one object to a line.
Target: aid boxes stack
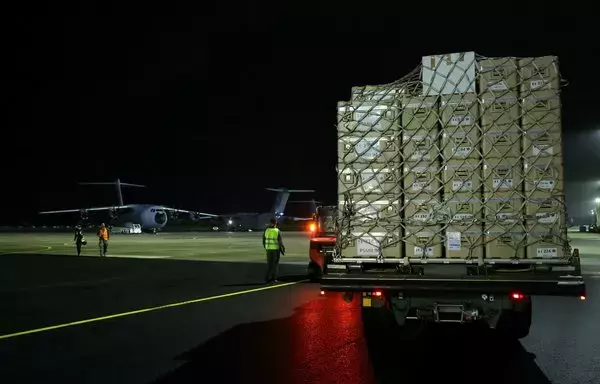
[
  {"x": 421, "y": 176},
  {"x": 368, "y": 173},
  {"x": 452, "y": 79},
  {"x": 542, "y": 153},
  {"x": 464, "y": 162},
  {"x": 502, "y": 138}
]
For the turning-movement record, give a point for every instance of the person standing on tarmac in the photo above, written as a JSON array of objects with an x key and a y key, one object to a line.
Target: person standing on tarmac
[
  {"x": 273, "y": 245},
  {"x": 78, "y": 239},
  {"x": 103, "y": 237}
]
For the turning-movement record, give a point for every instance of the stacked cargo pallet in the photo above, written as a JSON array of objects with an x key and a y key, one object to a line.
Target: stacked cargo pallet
[
  {"x": 461, "y": 159},
  {"x": 503, "y": 197},
  {"x": 542, "y": 153},
  {"x": 368, "y": 166}
]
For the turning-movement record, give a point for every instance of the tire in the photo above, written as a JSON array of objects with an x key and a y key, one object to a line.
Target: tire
[
  {"x": 314, "y": 272},
  {"x": 515, "y": 324}
]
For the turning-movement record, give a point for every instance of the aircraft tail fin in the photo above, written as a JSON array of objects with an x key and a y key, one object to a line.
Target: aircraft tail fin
[
  {"x": 118, "y": 184},
  {"x": 281, "y": 199}
]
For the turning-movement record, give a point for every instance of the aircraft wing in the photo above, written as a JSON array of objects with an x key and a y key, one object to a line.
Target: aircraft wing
[
  {"x": 300, "y": 218},
  {"x": 85, "y": 209},
  {"x": 208, "y": 215}
]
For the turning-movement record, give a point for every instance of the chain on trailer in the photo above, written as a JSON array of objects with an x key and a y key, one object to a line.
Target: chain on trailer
[{"x": 459, "y": 160}]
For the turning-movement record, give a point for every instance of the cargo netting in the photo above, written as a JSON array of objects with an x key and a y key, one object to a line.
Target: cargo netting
[{"x": 461, "y": 159}]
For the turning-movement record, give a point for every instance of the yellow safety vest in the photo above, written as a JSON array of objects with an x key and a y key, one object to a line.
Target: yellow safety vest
[
  {"x": 103, "y": 233},
  {"x": 272, "y": 239}
]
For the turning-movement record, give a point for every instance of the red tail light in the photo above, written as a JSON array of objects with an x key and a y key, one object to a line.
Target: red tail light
[
  {"x": 582, "y": 297},
  {"x": 377, "y": 293},
  {"x": 322, "y": 293},
  {"x": 517, "y": 296},
  {"x": 312, "y": 227}
]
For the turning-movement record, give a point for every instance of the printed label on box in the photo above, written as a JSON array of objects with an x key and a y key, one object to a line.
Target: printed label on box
[
  {"x": 499, "y": 86},
  {"x": 421, "y": 216},
  {"x": 506, "y": 217},
  {"x": 462, "y": 151},
  {"x": 368, "y": 212},
  {"x": 545, "y": 184},
  {"x": 427, "y": 252},
  {"x": 460, "y": 185},
  {"x": 453, "y": 241},
  {"x": 535, "y": 84},
  {"x": 543, "y": 150},
  {"x": 367, "y": 246},
  {"x": 547, "y": 252},
  {"x": 368, "y": 149},
  {"x": 462, "y": 217},
  {"x": 502, "y": 183},
  {"x": 546, "y": 218},
  {"x": 420, "y": 185},
  {"x": 461, "y": 120}
]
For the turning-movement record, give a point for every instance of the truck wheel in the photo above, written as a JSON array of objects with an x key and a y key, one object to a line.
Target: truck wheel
[
  {"x": 515, "y": 323},
  {"x": 314, "y": 272}
]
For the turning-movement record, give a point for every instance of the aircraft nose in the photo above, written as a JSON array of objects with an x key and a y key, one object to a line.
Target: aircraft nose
[{"x": 160, "y": 218}]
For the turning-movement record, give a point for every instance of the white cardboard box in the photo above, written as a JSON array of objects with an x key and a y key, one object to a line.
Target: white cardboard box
[{"x": 449, "y": 73}]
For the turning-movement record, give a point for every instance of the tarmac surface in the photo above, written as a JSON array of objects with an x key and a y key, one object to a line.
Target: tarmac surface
[{"x": 224, "y": 325}]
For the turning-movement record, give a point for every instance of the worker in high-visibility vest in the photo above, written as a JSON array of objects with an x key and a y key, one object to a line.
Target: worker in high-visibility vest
[
  {"x": 273, "y": 245},
  {"x": 103, "y": 236}
]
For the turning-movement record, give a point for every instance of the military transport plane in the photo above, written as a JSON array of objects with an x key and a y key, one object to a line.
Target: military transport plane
[
  {"x": 150, "y": 217},
  {"x": 256, "y": 221}
]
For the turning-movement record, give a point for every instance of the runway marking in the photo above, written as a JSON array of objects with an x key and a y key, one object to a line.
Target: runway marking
[
  {"x": 138, "y": 257},
  {"x": 29, "y": 251},
  {"x": 151, "y": 309}
]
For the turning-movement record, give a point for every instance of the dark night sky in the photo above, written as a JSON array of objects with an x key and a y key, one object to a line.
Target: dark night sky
[{"x": 209, "y": 104}]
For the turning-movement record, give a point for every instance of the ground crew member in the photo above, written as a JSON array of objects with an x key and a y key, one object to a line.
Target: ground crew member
[
  {"x": 78, "y": 239},
  {"x": 103, "y": 237},
  {"x": 273, "y": 245}
]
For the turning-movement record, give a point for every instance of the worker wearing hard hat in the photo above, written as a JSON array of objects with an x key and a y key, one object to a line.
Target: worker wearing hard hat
[
  {"x": 103, "y": 236},
  {"x": 273, "y": 245}
]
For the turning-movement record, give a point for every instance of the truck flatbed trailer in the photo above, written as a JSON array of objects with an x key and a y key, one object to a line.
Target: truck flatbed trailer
[
  {"x": 497, "y": 291},
  {"x": 553, "y": 285}
]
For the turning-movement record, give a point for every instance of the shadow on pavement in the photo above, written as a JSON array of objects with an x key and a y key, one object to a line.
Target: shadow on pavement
[
  {"x": 324, "y": 342},
  {"x": 420, "y": 352}
]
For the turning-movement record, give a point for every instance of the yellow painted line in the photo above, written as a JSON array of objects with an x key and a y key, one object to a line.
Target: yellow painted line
[{"x": 116, "y": 315}]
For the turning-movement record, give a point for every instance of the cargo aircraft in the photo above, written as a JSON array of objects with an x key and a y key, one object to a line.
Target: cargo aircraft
[
  {"x": 150, "y": 216},
  {"x": 244, "y": 221},
  {"x": 153, "y": 217}
]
